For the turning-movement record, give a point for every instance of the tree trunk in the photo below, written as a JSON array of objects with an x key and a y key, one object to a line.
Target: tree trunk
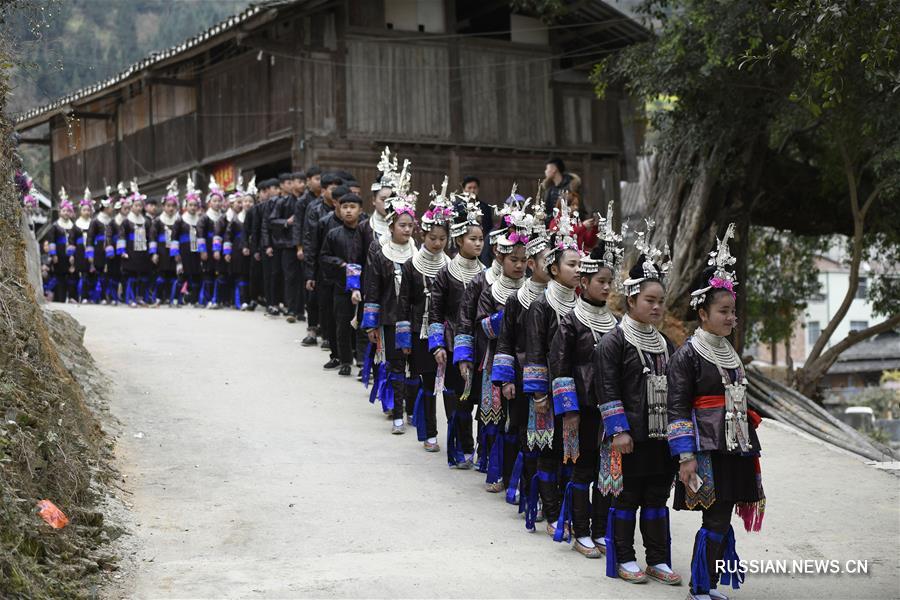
[{"x": 806, "y": 379}]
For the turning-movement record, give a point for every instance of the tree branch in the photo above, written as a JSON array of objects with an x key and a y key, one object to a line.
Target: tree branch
[
  {"x": 855, "y": 260},
  {"x": 828, "y": 358}
]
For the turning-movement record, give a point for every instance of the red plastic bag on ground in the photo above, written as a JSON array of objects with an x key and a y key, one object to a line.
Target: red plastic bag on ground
[{"x": 50, "y": 513}]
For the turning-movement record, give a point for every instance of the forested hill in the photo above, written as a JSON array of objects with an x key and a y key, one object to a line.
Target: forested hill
[{"x": 85, "y": 41}]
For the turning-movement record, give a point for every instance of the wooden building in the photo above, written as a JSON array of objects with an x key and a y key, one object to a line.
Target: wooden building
[{"x": 458, "y": 86}]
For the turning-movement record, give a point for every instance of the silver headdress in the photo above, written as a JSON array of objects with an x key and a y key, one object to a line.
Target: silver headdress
[
  {"x": 402, "y": 202},
  {"x": 722, "y": 277},
  {"x": 563, "y": 238},
  {"x": 190, "y": 192},
  {"x": 518, "y": 224},
  {"x": 539, "y": 238},
  {"x": 251, "y": 187},
  {"x": 610, "y": 251},
  {"x": 171, "y": 192},
  {"x": 468, "y": 215},
  {"x": 135, "y": 192},
  {"x": 648, "y": 265},
  {"x": 440, "y": 210},
  {"x": 388, "y": 170},
  {"x": 86, "y": 199},
  {"x": 214, "y": 189},
  {"x": 107, "y": 199},
  {"x": 124, "y": 199}
]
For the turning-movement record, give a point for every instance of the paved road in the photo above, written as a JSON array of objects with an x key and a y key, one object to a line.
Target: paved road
[{"x": 259, "y": 475}]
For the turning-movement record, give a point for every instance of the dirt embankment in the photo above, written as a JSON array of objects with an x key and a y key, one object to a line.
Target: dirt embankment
[{"x": 51, "y": 443}]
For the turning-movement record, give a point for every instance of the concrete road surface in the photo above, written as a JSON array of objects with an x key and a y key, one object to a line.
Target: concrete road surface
[{"x": 256, "y": 474}]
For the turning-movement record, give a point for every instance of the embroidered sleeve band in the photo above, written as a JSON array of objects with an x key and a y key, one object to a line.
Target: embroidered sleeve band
[
  {"x": 463, "y": 348},
  {"x": 614, "y": 420},
  {"x": 535, "y": 379},
  {"x": 436, "y": 336},
  {"x": 564, "y": 397},
  {"x": 354, "y": 272},
  {"x": 371, "y": 312},
  {"x": 681, "y": 436},
  {"x": 504, "y": 369},
  {"x": 404, "y": 334},
  {"x": 491, "y": 325}
]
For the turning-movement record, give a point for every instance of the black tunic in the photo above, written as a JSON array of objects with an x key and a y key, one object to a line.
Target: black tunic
[
  {"x": 415, "y": 290},
  {"x": 138, "y": 261},
  {"x": 58, "y": 238},
  {"x": 692, "y": 376},
  {"x": 380, "y": 284},
  {"x": 235, "y": 244},
  {"x": 343, "y": 245},
  {"x": 446, "y": 297},
  {"x": 620, "y": 382},
  {"x": 165, "y": 238},
  {"x": 188, "y": 246},
  {"x": 82, "y": 239},
  {"x": 101, "y": 237}
]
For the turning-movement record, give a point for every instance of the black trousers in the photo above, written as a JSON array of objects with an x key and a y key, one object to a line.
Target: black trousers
[
  {"x": 290, "y": 271},
  {"x": 648, "y": 491},
  {"x": 430, "y": 402},
  {"x": 455, "y": 384},
  {"x": 325, "y": 290},
  {"x": 344, "y": 309},
  {"x": 272, "y": 279},
  {"x": 257, "y": 289},
  {"x": 716, "y": 518},
  {"x": 301, "y": 288},
  {"x": 403, "y": 398}
]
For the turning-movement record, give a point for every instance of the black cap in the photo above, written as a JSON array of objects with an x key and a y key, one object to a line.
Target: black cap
[
  {"x": 313, "y": 171},
  {"x": 350, "y": 197},
  {"x": 285, "y": 176}
]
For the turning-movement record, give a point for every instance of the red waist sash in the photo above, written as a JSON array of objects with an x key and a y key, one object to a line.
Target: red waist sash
[{"x": 753, "y": 417}]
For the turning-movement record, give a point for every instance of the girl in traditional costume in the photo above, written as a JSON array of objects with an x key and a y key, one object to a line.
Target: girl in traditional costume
[{"x": 712, "y": 431}]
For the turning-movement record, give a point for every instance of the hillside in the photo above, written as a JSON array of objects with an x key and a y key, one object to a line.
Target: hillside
[{"x": 83, "y": 41}]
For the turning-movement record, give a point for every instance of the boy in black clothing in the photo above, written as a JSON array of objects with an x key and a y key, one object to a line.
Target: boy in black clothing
[{"x": 342, "y": 259}]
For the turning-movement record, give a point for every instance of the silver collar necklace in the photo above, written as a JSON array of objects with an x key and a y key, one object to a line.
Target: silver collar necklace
[
  {"x": 715, "y": 349},
  {"x": 528, "y": 292},
  {"x": 643, "y": 336},
  {"x": 596, "y": 318},
  {"x": 503, "y": 286},
  {"x": 560, "y": 298},
  {"x": 398, "y": 253},
  {"x": 427, "y": 263},
  {"x": 464, "y": 269}
]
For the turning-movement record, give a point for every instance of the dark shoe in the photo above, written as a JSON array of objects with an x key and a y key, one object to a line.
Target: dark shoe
[
  {"x": 273, "y": 312},
  {"x": 309, "y": 340},
  {"x": 345, "y": 370},
  {"x": 301, "y": 318},
  {"x": 291, "y": 318},
  {"x": 332, "y": 364},
  {"x": 325, "y": 345}
]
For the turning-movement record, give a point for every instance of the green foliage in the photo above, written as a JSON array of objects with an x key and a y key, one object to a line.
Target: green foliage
[
  {"x": 884, "y": 402},
  {"x": 781, "y": 278},
  {"x": 547, "y": 11},
  {"x": 81, "y": 42}
]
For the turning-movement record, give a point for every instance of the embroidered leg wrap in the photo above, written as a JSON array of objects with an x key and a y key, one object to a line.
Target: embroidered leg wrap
[
  {"x": 655, "y": 532},
  {"x": 495, "y": 453},
  {"x": 581, "y": 509},
  {"x": 549, "y": 489},
  {"x": 567, "y": 509},
  {"x": 619, "y": 539},
  {"x": 600, "y": 504}
]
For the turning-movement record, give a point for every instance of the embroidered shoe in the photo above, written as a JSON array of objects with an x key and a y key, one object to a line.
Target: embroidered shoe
[
  {"x": 398, "y": 429},
  {"x": 587, "y": 551},
  {"x": 717, "y": 595},
  {"x": 431, "y": 447},
  {"x": 495, "y": 487},
  {"x": 600, "y": 545},
  {"x": 662, "y": 576},
  {"x": 628, "y": 576},
  {"x": 551, "y": 529}
]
